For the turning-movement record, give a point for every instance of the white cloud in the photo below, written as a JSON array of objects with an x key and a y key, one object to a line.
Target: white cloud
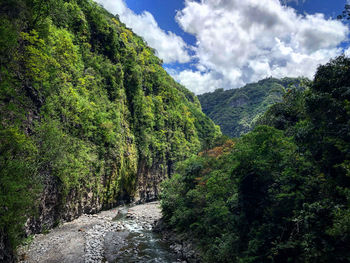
[
  {"x": 347, "y": 52},
  {"x": 298, "y": 2},
  {"x": 243, "y": 41},
  {"x": 239, "y": 42},
  {"x": 169, "y": 46},
  {"x": 197, "y": 81}
]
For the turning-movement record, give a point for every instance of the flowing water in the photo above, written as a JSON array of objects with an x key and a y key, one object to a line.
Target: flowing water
[
  {"x": 122, "y": 234},
  {"x": 135, "y": 243}
]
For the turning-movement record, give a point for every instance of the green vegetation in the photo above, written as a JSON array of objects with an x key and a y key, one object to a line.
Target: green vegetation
[
  {"x": 280, "y": 193},
  {"x": 83, "y": 103},
  {"x": 237, "y": 110}
]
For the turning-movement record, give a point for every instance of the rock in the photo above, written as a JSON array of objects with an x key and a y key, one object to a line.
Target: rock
[
  {"x": 97, "y": 238},
  {"x": 6, "y": 254}
]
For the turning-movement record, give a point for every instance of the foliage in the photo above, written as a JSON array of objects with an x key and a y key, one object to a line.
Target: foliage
[
  {"x": 345, "y": 14},
  {"x": 18, "y": 181},
  {"x": 237, "y": 110},
  {"x": 281, "y": 193},
  {"x": 286, "y": 114},
  {"x": 84, "y": 101}
]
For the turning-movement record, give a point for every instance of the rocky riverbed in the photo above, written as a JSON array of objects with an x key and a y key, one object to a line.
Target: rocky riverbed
[{"x": 123, "y": 234}]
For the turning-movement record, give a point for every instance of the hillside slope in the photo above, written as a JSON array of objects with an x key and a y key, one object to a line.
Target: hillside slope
[
  {"x": 237, "y": 110},
  {"x": 89, "y": 118},
  {"x": 280, "y": 193}
]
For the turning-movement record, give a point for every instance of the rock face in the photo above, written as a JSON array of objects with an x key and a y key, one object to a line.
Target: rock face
[
  {"x": 5, "y": 252},
  {"x": 148, "y": 182},
  {"x": 48, "y": 208},
  {"x": 238, "y": 101},
  {"x": 51, "y": 213},
  {"x": 90, "y": 118}
]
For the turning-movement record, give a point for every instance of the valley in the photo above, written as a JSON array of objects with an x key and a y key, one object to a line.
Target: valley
[{"x": 106, "y": 157}]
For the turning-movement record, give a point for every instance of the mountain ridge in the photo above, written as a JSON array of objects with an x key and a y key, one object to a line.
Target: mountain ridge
[{"x": 237, "y": 110}]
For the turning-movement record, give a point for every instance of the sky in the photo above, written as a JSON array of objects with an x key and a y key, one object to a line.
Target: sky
[{"x": 211, "y": 44}]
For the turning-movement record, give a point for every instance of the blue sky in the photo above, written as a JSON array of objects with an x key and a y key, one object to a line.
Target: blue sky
[
  {"x": 211, "y": 44},
  {"x": 164, "y": 11}
]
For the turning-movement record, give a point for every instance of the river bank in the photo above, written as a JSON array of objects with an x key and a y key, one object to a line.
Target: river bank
[{"x": 123, "y": 234}]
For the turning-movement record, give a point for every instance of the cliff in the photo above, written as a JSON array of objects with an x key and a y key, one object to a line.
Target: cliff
[{"x": 89, "y": 118}]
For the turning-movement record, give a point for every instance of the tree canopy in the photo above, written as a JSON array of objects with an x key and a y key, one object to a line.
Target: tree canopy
[{"x": 281, "y": 192}]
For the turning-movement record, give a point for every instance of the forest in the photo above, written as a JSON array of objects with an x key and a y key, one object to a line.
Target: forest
[
  {"x": 91, "y": 120},
  {"x": 279, "y": 193},
  {"x": 236, "y": 111}
]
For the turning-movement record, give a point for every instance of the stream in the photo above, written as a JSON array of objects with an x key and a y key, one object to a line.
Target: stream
[
  {"x": 137, "y": 243},
  {"x": 123, "y": 234}
]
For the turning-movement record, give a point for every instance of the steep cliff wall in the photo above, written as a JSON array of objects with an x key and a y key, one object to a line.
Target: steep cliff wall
[{"x": 89, "y": 118}]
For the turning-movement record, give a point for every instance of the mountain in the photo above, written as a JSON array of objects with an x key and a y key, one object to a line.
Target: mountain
[
  {"x": 89, "y": 118},
  {"x": 237, "y": 110}
]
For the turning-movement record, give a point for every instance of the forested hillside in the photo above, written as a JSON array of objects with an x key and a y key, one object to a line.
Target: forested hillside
[
  {"x": 237, "y": 110},
  {"x": 280, "y": 193},
  {"x": 89, "y": 117}
]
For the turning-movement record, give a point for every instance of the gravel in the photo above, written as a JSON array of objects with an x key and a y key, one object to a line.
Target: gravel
[{"x": 82, "y": 240}]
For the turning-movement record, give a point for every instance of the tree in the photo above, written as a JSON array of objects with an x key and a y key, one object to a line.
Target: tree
[{"x": 345, "y": 14}]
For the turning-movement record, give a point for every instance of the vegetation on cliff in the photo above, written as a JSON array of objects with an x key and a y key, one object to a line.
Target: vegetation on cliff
[
  {"x": 85, "y": 108},
  {"x": 237, "y": 110},
  {"x": 280, "y": 193}
]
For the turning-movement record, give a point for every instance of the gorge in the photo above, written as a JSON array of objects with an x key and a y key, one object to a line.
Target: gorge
[
  {"x": 89, "y": 118},
  {"x": 99, "y": 145}
]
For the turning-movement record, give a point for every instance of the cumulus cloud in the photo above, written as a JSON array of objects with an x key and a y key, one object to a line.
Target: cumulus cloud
[
  {"x": 347, "y": 52},
  {"x": 239, "y": 42},
  {"x": 243, "y": 41},
  {"x": 170, "y": 47},
  {"x": 197, "y": 81}
]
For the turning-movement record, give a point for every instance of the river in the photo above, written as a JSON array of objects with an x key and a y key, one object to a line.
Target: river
[{"x": 123, "y": 234}]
